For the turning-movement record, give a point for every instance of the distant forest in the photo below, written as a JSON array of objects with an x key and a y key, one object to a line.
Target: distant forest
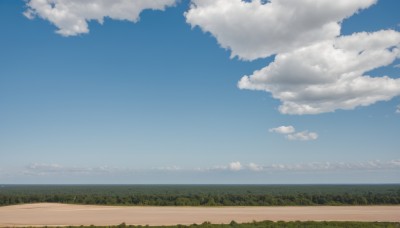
[
  {"x": 268, "y": 224},
  {"x": 202, "y": 195}
]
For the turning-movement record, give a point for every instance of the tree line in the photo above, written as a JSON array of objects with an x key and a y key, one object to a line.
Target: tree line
[
  {"x": 200, "y": 199},
  {"x": 268, "y": 224}
]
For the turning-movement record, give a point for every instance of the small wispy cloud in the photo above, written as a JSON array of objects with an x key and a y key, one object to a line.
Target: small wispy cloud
[
  {"x": 283, "y": 129},
  {"x": 235, "y": 166},
  {"x": 254, "y": 167},
  {"x": 291, "y": 133},
  {"x": 303, "y": 136},
  {"x": 169, "y": 168},
  {"x": 398, "y": 109},
  {"x": 41, "y": 169},
  {"x": 325, "y": 166}
]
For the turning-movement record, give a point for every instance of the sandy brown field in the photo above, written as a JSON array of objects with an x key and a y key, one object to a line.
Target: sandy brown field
[{"x": 62, "y": 214}]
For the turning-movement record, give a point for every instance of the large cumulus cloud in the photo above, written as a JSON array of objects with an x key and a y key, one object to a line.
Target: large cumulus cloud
[
  {"x": 330, "y": 75},
  {"x": 315, "y": 69},
  {"x": 255, "y": 29}
]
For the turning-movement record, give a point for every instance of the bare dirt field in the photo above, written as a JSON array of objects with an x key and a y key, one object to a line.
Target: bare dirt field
[{"x": 53, "y": 214}]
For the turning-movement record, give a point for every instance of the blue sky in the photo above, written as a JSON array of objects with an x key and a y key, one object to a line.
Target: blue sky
[{"x": 162, "y": 99}]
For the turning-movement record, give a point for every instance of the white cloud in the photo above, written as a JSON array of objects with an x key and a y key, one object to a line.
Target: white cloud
[
  {"x": 45, "y": 169},
  {"x": 336, "y": 166},
  {"x": 57, "y": 170},
  {"x": 235, "y": 166},
  {"x": 398, "y": 109},
  {"x": 330, "y": 75},
  {"x": 325, "y": 166},
  {"x": 71, "y": 16},
  {"x": 315, "y": 69},
  {"x": 254, "y": 167},
  {"x": 169, "y": 168},
  {"x": 254, "y": 29},
  {"x": 291, "y": 134},
  {"x": 311, "y": 166},
  {"x": 283, "y": 129},
  {"x": 397, "y": 66},
  {"x": 303, "y": 136}
]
